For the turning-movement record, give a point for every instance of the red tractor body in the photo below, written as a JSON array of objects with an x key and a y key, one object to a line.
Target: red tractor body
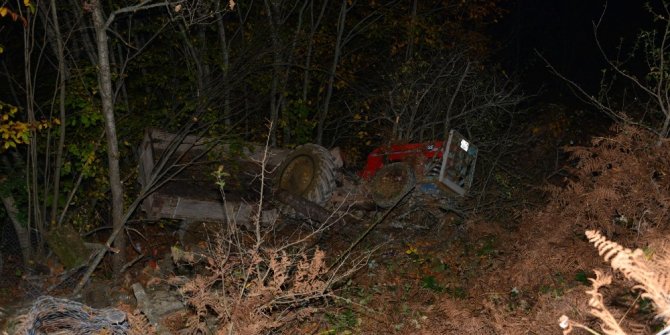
[
  {"x": 447, "y": 165},
  {"x": 400, "y": 153}
]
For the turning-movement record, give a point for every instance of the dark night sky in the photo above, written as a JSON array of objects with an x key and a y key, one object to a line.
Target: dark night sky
[{"x": 563, "y": 32}]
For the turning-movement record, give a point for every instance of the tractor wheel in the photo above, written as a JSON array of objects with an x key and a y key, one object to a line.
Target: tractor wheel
[
  {"x": 391, "y": 183},
  {"x": 309, "y": 172}
]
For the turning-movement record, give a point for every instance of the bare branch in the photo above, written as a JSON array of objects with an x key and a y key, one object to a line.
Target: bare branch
[{"x": 143, "y": 5}]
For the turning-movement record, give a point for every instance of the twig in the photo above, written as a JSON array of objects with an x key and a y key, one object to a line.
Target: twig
[
  {"x": 157, "y": 179},
  {"x": 131, "y": 263},
  {"x": 367, "y": 231},
  {"x": 630, "y": 308}
]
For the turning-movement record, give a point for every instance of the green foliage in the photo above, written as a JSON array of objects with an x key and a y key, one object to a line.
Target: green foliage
[
  {"x": 431, "y": 283},
  {"x": 342, "y": 323},
  {"x": 487, "y": 247},
  {"x": 85, "y": 110},
  {"x": 298, "y": 118},
  {"x": 84, "y": 158},
  {"x": 582, "y": 277},
  {"x": 220, "y": 176},
  {"x": 557, "y": 287},
  {"x": 13, "y": 184}
]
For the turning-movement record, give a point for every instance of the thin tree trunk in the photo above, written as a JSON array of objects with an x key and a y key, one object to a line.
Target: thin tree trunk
[
  {"x": 21, "y": 226},
  {"x": 200, "y": 68},
  {"x": 285, "y": 76},
  {"x": 60, "y": 54},
  {"x": 106, "y": 95},
  {"x": 333, "y": 70},
  {"x": 86, "y": 41},
  {"x": 35, "y": 214},
  {"x": 665, "y": 130},
  {"x": 412, "y": 27},
  {"x": 121, "y": 84},
  {"x": 274, "y": 90},
  {"x": 310, "y": 46},
  {"x": 225, "y": 66},
  {"x": 22, "y": 232},
  {"x": 206, "y": 79},
  {"x": 448, "y": 116}
]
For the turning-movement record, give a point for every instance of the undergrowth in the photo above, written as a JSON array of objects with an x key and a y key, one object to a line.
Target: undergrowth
[
  {"x": 248, "y": 283},
  {"x": 620, "y": 186}
]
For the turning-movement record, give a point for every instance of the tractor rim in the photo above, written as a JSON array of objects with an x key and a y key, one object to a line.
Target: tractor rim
[{"x": 298, "y": 175}]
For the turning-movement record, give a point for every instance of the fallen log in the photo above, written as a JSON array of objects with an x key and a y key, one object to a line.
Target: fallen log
[{"x": 311, "y": 210}]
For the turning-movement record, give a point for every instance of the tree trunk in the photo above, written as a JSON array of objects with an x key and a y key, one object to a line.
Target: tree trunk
[
  {"x": 86, "y": 38},
  {"x": 60, "y": 54},
  {"x": 311, "y": 209},
  {"x": 283, "y": 78},
  {"x": 310, "y": 46},
  {"x": 106, "y": 96},
  {"x": 35, "y": 214},
  {"x": 225, "y": 66},
  {"x": 665, "y": 129},
  {"x": 200, "y": 72},
  {"x": 333, "y": 70},
  {"x": 412, "y": 33},
  {"x": 275, "y": 95},
  {"x": 22, "y": 232}
]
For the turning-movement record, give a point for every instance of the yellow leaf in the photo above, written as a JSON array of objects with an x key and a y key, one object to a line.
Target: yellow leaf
[
  {"x": 3, "y": 11},
  {"x": 26, "y": 3}
]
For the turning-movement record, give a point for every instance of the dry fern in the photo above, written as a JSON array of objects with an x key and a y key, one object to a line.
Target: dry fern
[
  {"x": 651, "y": 278},
  {"x": 139, "y": 325},
  {"x": 623, "y": 175},
  {"x": 610, "y": 325},
  {"x": 270, "y": 290}
]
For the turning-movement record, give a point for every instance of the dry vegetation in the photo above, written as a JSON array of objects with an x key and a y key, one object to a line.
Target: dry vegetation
[
  {"x": 501, "y": 278},
  {"x": 540, "y": 267},
  {"x": 492, "y": 278},
  {"x": 248, "y": 282}
]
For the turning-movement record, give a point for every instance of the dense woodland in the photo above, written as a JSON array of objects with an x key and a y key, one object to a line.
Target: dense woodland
[{"x": 83, "y": 80}]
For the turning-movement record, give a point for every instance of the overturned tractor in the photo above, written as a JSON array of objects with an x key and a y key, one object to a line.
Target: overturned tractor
[{"x": 390, "y": 172}]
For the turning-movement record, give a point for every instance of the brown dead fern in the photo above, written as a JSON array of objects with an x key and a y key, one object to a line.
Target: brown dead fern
[
  {"x": 619, "y": 185},
  {"x": 252, "y": 284},
  {"x": 277, "y": 289},
  {"x": 651, "y": 278},
  {"x": 139, "y": 324},
  {"x": 619, "y": 176}
]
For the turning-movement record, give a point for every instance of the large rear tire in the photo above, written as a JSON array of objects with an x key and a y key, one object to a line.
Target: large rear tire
[
  {"x": 309, "y": 172},
  {"x": 392, "y": 183}
]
